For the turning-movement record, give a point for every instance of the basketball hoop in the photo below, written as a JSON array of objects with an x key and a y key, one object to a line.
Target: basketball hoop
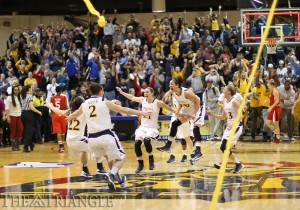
[{"x": 271, "y": 45}]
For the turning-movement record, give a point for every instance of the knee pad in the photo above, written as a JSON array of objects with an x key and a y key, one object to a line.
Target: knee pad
[
  {"x": 137, "y": 148},
  {"x": 174, "y": 127},
  {"x": 147, "y": 143},
  {"x": 183, "y": 142},
  {"x": 223, "y": 145},
  {"x": 197, "y": 135}
]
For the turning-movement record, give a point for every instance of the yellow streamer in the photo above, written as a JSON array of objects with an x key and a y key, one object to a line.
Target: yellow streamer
[
  {"x": 93, "y": 11},
  {"x": 236, "y": 121}
]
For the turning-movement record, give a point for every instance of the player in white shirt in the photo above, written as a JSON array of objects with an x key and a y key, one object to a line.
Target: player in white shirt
[
  {"x": 76, "y": 140},
  {"x": 230, "y": 109},
  {"x": 189, "y": 105},
  {"x": 147, "y": 131},
  {"x": 102, "y": 140},
  {"x": 183, "y": 131}
]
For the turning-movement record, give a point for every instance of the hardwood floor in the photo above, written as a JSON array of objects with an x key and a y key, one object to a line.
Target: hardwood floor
[{"x": 45, "y": 178}]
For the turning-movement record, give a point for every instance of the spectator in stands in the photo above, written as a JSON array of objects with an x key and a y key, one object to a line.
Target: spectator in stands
[
  {"x": 158, "y": 79},
  {"x": 110, "y": 84},
  {"x": 51, "y": 89},
  {"x": 29, "y": 80},
  {"x": 38, "y": 74},
  {"x": 281, "y": 72},
  {"x": 207, "y": 39},
  {"x": 83, "y": 92},
  {"x": 45, "y": 80},
  {"x": 56, "y": 62},
  {"x": 8, "y": 67},
  {"x": 72, "y": 71},
  {"x": 210, "y": 99},
  {"x": 287, "y": 96},
  {"x": 179, "y": 73},
  {"x": 94, "y": 67},
  {"x": 13, "y": 111},
  {"x": 62, "y": 81},
  {"x": 3, "y": 83},
  {"x": 133, "y": 104},
  {"x": 256, "y": 110},
  {"x": 125, "y": 88},
  {"x": 226, "y": 55},
  {"x": 213, "y": 76},
  {"x": 2, "y": 119}
]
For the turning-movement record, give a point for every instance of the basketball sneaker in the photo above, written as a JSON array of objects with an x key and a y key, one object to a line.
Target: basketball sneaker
[
  {"x": 276, "y": 141},
  {"x": 151, "y": 162},
  {"x": 110, "y": 181},
  {"x": 61, "y": 148},
  {"x": 196, "y": 157},
  {"x": 100, "y": 171},
  {"x": 217, "y": 165},
  {"x": 165, "y": 148},
  {"x": 171, "y": 159},
  {"x": 184, "y": 159},
  {"x": 140, "y": 167},
  {"x": 86, "y": 175},
  {"x": 123, "y": 182},
  {"x": 238, "y": 168}
]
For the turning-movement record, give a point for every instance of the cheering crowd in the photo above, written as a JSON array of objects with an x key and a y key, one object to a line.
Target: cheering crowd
[{"x": 44, "y": 62}]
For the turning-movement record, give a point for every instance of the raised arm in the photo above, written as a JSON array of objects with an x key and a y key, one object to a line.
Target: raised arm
[
  {"x": 130, "y": 97},
  {"x": 56, "y": 109},
  {"x": 161, "y": 104},
  {"x": 75, "y": 114},
  {"x": 112, "y": 106}
]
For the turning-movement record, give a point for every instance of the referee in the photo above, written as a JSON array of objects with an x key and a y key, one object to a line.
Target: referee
[{"x": 27, "y": 117}]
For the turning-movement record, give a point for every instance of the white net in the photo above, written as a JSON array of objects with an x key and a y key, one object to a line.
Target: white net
[{"x": 271, "y": 45}]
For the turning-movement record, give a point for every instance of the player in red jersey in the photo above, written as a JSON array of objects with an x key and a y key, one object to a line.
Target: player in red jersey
[
  {"x": 274, "y": 111},
  {"x": 59, "y": 123}
]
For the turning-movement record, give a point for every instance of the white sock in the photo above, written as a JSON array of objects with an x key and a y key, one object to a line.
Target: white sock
[
  {"x": 236, "y": 160},
  {"x": 172, "y": 152},
  {"x": 114, "y": 170}
]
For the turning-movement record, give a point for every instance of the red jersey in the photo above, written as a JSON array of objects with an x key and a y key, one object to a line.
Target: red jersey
[
  {"x": 38, "y": 76},
  {"x": 59, "y": 101},
  {"x": 272, "y": 99}
]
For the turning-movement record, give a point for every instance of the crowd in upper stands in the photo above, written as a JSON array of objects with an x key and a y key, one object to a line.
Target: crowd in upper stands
[{"x": 206, "y": 53}]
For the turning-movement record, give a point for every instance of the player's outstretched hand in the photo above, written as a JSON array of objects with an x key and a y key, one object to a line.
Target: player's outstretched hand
[{"x": 119, "y": 89}]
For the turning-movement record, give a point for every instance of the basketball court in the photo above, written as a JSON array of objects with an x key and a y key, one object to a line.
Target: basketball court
[
  {"x": 47, "y": 179},
  {"x": 270, "y": 180}
]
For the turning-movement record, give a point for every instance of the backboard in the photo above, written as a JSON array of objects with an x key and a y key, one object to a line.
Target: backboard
[{"x": 285, "y": 25}]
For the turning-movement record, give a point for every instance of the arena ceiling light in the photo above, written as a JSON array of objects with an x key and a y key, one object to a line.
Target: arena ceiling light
[{"x": 158, "y": 5}]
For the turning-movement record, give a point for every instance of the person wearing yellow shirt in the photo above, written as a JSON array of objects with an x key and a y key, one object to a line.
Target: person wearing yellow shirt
[
  {"x": 264, "y": 103},
  {"x": 177, "y": 72},
  {"x": 255, "y": 107},
  {"x": 157, "y": 41},
  {"x": 214, "y": 23},
  {"x": 30, "y": 80},
  {"x": 242, "y": 83},
  {"x": 21, "y": 65},
  {"x": 174, "y": 46}
]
